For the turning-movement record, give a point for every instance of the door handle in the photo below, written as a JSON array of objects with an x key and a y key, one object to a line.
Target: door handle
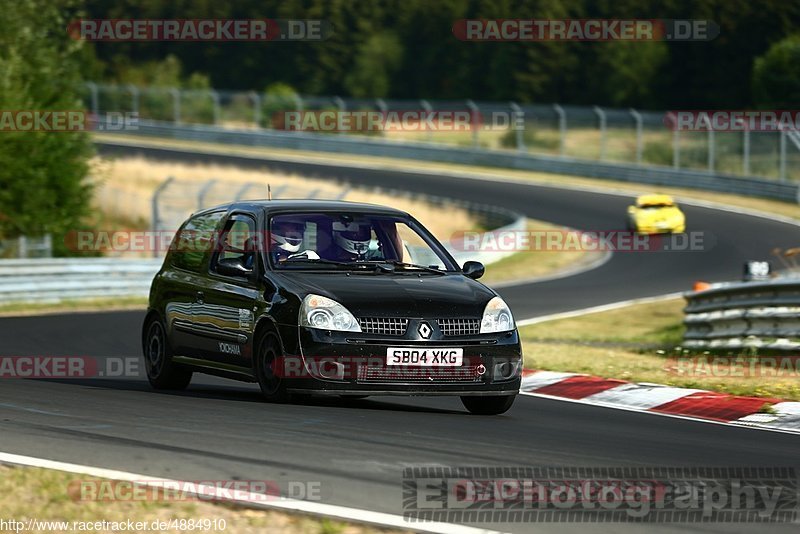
[{"x": 200, "y": 297}]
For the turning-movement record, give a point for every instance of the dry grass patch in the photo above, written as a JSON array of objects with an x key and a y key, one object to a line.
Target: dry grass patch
[
  {"x": 31, "y": 493},
  {"x": 126, "y": 185}
]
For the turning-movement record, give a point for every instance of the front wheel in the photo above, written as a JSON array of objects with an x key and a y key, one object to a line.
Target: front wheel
[
  {"x": 494, "y": 405},
  {"x": 268, "y": 359},
  {"x": 162, "y": 372}
]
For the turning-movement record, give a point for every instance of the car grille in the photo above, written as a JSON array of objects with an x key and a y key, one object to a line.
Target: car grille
[
  {"x": 421, "y": 375},
  {"x": 385, "y": 326},
  {"x": 459, "y": 327}
]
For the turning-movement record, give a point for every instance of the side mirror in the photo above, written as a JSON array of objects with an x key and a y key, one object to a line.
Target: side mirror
[
  {"x": 233, "y": 267},
  {"x": 473, "y": 269}
]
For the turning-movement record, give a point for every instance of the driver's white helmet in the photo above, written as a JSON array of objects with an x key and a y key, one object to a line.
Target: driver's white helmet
[
  {"x": 287, "y": 234},
  {"x": 352, "y": 237}
]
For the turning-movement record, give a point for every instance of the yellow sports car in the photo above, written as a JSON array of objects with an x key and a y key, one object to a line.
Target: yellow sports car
[{"x": 656, "y": 214}]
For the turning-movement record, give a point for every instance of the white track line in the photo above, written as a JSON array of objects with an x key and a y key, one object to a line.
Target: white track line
[
  {"x": 597, "y": 309},
  {"x": 250, "y": 500}
]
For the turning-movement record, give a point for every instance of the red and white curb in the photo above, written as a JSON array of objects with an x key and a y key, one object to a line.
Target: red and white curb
[{"x": 665, "y": 400}]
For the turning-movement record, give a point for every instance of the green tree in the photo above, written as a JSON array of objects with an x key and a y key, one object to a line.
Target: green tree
[
  {"x": 776, "y": 77},
  {"x": 43, "y": 184},
  {"x": 377, "y": 59}
]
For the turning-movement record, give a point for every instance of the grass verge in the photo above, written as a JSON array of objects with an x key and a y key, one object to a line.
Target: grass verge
[
  {"x": 531, "y": 264},
  {"x": 41, "y": 494},
  {"x": 73, "y": 305},
  {"x": 641, "y": 343}
]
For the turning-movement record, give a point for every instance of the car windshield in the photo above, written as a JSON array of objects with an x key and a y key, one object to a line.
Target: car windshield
[
  {"x": 352, "y": 241},
  {"x": 656, "y": 206}
]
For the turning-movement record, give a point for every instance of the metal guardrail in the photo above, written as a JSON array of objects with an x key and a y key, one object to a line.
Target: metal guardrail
[
  {"x": 49, "y": 280},
  {"x": 648, "y": 174},
  {"x": 742, "y": 315}
]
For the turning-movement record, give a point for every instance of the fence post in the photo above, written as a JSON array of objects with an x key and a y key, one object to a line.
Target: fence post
[
  {"x": 22, "y": 246},
  {"x": 601, "y": 115},
  {"x": 215, "y": 102},
  {"x": 676, "y": 148},
  {"x": 134, "y": 91},
  {"x": 746, "y": 151},
  {"x": 240, "y": 193},
  {"x": 639, "y": 134},
  {"x": 562, "y": 129},
  {"x": 176, "y": 105},
  {"x": 155, "y": 224},
  {"x": 428, "y": 109},
  {"x": 256, "y": 98},
  {"x": 475, "y": 120},
  {"x": 712, "y": 149},
  {"x": 95, "y": 99},
  {"x": 48, "y": 245},
  {"x": 782, "y": 171},
  {"x": 201, "y": 195},
  {"x": 381, "y": 105},
  {"x": 340, "y": 103},
  {"x": 519, "y": 129}
]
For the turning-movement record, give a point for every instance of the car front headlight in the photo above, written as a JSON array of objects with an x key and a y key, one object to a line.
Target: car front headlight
[
  {"x": 496, "y": 317},
  {"x": 326, "y": 314}
]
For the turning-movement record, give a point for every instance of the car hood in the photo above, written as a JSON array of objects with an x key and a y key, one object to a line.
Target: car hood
[
  {"x": 654, "y": 216},
  {"x": 394, "y": 294}
]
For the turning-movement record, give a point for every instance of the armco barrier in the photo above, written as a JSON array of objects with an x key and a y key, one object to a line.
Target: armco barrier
[
  {"x": 743, "y": 315},
  {"x": 74, "y": 278},
  {"x": 341, "y": 143}
]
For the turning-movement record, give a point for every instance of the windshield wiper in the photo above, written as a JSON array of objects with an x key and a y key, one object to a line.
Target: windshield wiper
[
  {"x": 322, "y": 261},
  {"x": 398, "y": 263}
]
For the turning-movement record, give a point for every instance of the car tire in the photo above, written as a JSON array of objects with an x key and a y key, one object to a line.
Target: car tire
[
  {"x": 493, "y": 405},
  {"x": 267, "y": 356},
  {"x": 162, "y": 371}
]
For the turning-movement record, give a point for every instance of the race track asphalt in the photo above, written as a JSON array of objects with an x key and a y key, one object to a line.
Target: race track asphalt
[{"x": 356, "y": 449}]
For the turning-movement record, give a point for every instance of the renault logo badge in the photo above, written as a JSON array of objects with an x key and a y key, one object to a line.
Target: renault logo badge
[{"x": 424, "y": 330}]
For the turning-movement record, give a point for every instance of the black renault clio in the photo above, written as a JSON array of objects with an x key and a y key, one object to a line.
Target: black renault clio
[{"x": 326, "y": 297}]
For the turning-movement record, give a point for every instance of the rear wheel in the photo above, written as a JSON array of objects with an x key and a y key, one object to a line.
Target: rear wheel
[
  {"x": 494, "y": 405},
  {"x": 267, "y": 363},
  {"x": 162, "y": 372}
]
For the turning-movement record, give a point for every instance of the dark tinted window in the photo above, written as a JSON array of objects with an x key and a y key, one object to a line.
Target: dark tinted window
[
  {"x": 238, "y": 241},
  {"x": 194, "y": 240}
]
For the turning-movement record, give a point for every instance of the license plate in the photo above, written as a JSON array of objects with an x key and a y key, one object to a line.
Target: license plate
[{"x": 431, "y": 357}]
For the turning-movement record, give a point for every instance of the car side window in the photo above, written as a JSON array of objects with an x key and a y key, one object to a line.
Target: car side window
[
  {"x": 194, "y": 239},
  {"x": 238, "y": 241}
]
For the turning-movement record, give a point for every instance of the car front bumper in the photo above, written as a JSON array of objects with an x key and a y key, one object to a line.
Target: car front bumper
[
  {"x": 654, "y": 229},
  {"x": 342, "y": 363}
]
